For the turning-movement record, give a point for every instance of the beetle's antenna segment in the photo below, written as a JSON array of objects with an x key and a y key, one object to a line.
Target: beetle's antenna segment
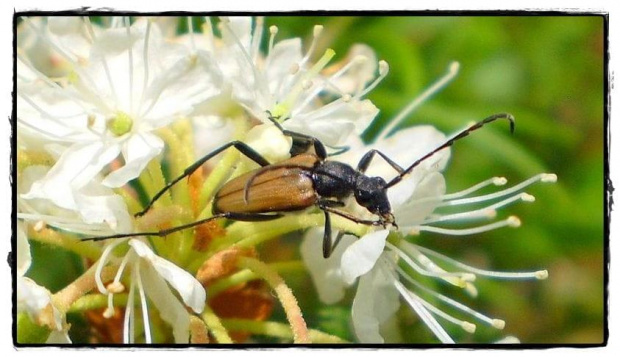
[{"x": 451, "y": 141}]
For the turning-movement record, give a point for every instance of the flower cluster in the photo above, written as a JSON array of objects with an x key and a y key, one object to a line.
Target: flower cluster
[{"x": 109, "y": 113}]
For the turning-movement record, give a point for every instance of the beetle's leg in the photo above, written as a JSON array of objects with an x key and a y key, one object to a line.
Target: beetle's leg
[
  {"x": 365, "y": 161},
  {"x": 327, "y": 205},
  {"x": 327, "y": 237},
  {"x": 241, "y": 146},
  {"x": 249, "y": 217}
]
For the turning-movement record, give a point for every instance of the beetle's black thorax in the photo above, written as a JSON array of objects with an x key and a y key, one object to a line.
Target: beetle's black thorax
[
  {"x": 334, "y": 179},
  {"x": 339, "y": 180}
]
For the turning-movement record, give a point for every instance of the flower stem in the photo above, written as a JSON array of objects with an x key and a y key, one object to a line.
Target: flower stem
[
  {"x": 276, "y": 329},
  {"x": 96, "y": 301},
  {"x": 88, "y": 250},
  {"x": 285, "y": 295},
  {"x": 247, "y": 275},
  {"x": 215, "y": 326},
  {"x": 80, "y": 287}
]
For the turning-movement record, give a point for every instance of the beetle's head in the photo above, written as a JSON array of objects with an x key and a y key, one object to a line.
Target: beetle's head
[{"x": 371, "y": 193}]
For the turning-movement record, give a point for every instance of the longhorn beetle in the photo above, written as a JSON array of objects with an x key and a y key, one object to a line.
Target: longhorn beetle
[{"x": 304, "y": 180}]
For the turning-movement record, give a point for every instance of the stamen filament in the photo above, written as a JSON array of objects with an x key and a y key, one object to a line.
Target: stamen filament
[
  {"x": 384, "y": 69},
  {"x": 464, "y": 308},
  {"x": 497, "y": 181},
  {"x": 540, "y": 274},
  {"x": 510, "y": 221},
  {"x": 540, "y": 177},
  {"x": 143, "y": 303},
  {"x": 457, "y": 279},
  {"x": 453, "y": 70},
  {"x": 424, "y": 315}
]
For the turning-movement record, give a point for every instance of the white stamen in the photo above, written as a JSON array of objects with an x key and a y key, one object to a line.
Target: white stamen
[
  {"x": 74, "y": 65},
  {"x": 346, "y": 98},
  {"x": 104, "y": 62},
  {"x": 511, "y": 190},
  {"x": 405, "y": 112},
  {"x": 510, "y": 221},
  {"x": 294, "y": 69},
  {"x": 143, "y": 304},
  {"x": 497, "y": 181},
  {"x": 257, "y": 37},
  {"x": 424, "y": 315},
  {"x": 128, "y": 320},
  {"x": 487, "y": 212},
  {"x": 115, "y": 287},
  {"x": 207, "y": 30},
  {"x": 145, "y": 57},
  {"x": 38, "y": 226},
  {"x": 51, "y": 83},
  {"x": 467, "y": 326},
  {"x": 315, "y": 36},
  {"x": 384, "y": 69},
  {"x": 130, "y": 58},
  {"x": 498, "y": 324},
  {"x": 67, "y": 224},
  {"x": 109, "y": 311},
  {"x": 552, "y": 178},
  {"x": 190, "y": 31},
  {"x": 541, "y": 274},
  {"x": 451, "y": 302},
  {"x": 432, "y": 270},
  {"x": 273, "y": 31},
  {"x": 103, "y": 262}
]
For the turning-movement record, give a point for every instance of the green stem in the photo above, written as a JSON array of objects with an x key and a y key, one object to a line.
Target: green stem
[
  {"x": 276, "y": 329},
  {"x": 246, "y": 275},
  {"x": 86, "y": 249},
  {"x": 96, "y": 301},
  {"x": 215, "y": 326}
]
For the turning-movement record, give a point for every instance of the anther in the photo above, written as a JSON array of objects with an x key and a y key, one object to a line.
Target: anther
[
  {"x": 468, "y": 326},
  {"x": 498, "y": 324},
  {"x": 115, "y": 287},
  {"x": 541, "y": 274},
  {"x": 39, "y": 226},
  {"x": 527, "y": 197},
  {"x": 499, "y": 181},
  {"x": 513, "y": 221},
  {"x": 273, "y": 29},
  {"x": 549, "y": 178}
]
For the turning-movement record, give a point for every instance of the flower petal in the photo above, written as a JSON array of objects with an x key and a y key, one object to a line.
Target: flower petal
[
  {"x": 190, "y": 289},
  {"x": 413, "y": 211},
  {"x": 138, "y": 150},
  {"x": 24, "y": 259},
  {"x": 361, "y": 256},
  {"x": 334, "y": 122},
  {"x": 375, "y": 301},
  {"x": 170, "y": 309},
  {"x": 76, "y": 167},
  {"x": 325, "y": 273}
]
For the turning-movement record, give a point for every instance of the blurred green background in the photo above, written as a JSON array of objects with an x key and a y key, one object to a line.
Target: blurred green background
[{"x": 548, "y": 71}]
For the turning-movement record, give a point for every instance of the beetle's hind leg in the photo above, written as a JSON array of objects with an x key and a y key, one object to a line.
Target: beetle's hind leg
[{"x": 239, "y": 145}]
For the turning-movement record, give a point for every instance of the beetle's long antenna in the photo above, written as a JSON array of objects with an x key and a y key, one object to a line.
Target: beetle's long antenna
[
  {"x": 449, "y": 143},
  {"x": 246, "y": 217}
]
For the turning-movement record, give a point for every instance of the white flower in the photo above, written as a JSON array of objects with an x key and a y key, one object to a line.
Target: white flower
[
  {"x": 131, "y": 84},
  {"x": 155, "y": 278},
  {"x": 284, "y": 83},
  {"x": 382, "y": 282},
  {"x": 33, "y": 299}
]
